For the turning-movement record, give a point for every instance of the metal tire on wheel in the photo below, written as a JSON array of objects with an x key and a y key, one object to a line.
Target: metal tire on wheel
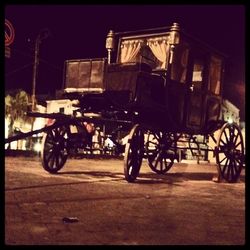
[
  {"x": 230, "y": 152},
  {"x": 133, "y": 153},
  {"x": 157, "y": 148},
  {"x": 54, "y": 149}
]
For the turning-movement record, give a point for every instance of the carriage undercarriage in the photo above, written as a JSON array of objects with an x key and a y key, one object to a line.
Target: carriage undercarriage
[{"x": 160, "y": 148}]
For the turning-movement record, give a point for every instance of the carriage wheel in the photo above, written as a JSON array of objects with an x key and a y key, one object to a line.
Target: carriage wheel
[
  {"x": 133, "y": 153},
  {"x": 230, "y": 152},
  {"x": 160, "y": 149},
  {"x": 54, "y": 149}
]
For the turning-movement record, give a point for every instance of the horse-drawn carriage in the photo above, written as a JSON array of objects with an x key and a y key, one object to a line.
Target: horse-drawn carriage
[{"x": 162, "y": 84}]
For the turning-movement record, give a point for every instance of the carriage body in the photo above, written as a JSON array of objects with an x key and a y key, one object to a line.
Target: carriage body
[{"x": 171, "y": 80}]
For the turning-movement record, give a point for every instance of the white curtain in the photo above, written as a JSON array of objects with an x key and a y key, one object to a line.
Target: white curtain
[
  {"x": 129, "y": 50},
  {"x": 160, "y": 48}
]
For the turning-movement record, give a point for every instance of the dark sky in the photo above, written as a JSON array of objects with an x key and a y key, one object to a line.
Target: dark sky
[{"x": 79, "y": 31}]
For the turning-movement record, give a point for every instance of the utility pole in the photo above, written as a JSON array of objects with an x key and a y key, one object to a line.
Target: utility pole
[
  {"x": 36, "y": 62},
  {"x": 42, "y": 35}
]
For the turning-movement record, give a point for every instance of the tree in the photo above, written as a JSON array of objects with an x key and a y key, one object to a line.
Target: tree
[{"x": 17, "y": 103}]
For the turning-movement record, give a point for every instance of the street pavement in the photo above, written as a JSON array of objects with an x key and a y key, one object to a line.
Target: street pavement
[{"x": 90, "y": 203}]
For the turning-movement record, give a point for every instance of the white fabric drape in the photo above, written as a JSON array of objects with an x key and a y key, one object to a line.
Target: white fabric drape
[
  {"x": 160, "y": 48},
  {"x": 129, "y": 50}
]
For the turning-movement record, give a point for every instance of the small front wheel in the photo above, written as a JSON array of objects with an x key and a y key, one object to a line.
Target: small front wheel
[
  {"x": 133, "y": 153},
  {"x": 54, "y": 149}
]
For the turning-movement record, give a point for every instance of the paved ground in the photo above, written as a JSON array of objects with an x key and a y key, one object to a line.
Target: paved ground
[{"x": 182, "y": 207}]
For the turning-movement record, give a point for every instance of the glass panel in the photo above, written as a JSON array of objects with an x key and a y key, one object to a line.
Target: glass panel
[
  {"x": 179, "y": 64},
  {"x": 214, "y": 80},
  {"x": 198, "y": 72},
  {"x": 72, "y": 69},
  {"x": 84, "y": 74},
  {"x": 97, "y": 74}
]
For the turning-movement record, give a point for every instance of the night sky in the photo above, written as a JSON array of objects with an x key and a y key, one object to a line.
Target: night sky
[{"x": 79, "y": 31}]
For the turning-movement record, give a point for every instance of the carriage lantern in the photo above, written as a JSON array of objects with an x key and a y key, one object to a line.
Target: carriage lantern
[
  {"x": 110, "y": 44},
  {"x": 174, "y": 39}
]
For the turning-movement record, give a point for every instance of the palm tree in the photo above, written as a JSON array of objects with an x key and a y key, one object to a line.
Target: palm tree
[{"x": 16, "y": 106}]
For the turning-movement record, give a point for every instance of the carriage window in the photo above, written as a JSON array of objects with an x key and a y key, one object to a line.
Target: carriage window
[
  {"x": 130, "y": 50},
  {"x": 179, "y": 64},
  {"x": 160, "y": 49},
  {"x": 152, "y": 50},
  {"x": 215, "y": 75},
  {"x": 198, "y": 72},
  {"x": 147, "y": 56}
]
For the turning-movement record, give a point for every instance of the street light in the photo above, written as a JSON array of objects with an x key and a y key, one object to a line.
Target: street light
[{"x": 43, "y": 34}]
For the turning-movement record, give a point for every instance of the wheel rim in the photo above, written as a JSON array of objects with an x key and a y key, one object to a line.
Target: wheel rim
[
  {"x": 229, "y": 152},
  {"x": 54, "y": 153},
  {"x": 160, "y": 150},
  {"x": 133, "y": 154}
]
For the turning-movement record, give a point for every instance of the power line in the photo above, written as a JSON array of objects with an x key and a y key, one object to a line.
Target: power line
[
  {"x": 18, "y": 69},
  {"x": 40, "y": 59}
]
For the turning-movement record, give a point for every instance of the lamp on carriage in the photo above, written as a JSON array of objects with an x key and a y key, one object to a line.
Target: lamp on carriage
[
  {"x": 174, "y": 39},
  {"x": 110, "y": 44},
  {"x": 174, "y": 34}
]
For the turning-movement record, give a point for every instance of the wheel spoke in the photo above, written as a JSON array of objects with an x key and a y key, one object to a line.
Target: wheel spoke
[
  {"x": 223, "y": 142},
  {"x": 233, "y": 173},
  {"x": 161, "y": 164},
  {"x": 238, "y": 160},
  {"x": 229, "y": 169},
  {"x": 223, "y": 159},
  {"x": 165, "y": 162},
  {"x": 236, "y": 138},
  {"x": 56, "y": 159},
  {"x": 133, "y": 154},
  {"x": 52, "y": 160},
  {"x": 239, "y": 143},
  {"x": 224, "y": 132},
  {"x": 224, "y": 167},
  {"x": 235, "y": 168},
  {"x": 50, "y": 154},
  {"x": 157, "y": 160}
]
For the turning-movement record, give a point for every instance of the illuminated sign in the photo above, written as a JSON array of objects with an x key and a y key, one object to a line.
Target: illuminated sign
[{"x": 9, "y": 33}]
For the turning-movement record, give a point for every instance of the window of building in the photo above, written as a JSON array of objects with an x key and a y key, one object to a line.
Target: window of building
[{"x": 61, "y": 110}]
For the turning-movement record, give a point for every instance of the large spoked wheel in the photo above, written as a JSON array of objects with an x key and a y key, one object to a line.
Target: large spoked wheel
[
  {"x": 230, "y": 152},
  {"x": 54, "y": 149},
  {"x": 160, "y": 149},
  {"x": 133, "y": 153}
]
